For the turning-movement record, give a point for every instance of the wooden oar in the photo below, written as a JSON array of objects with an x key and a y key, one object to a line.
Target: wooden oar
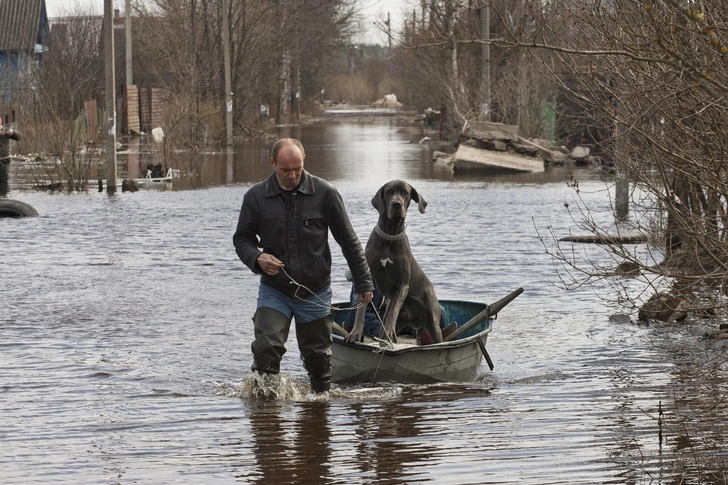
[
  {"x": 339, "y": 329},
  {"x": 490, "y": 310}
]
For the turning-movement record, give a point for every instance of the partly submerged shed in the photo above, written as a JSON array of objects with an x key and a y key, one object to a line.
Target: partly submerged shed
[{"x": 23, "y": 30}]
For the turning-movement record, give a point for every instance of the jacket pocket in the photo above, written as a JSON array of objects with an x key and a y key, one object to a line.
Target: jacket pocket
[{"x": 315, "y": 235}]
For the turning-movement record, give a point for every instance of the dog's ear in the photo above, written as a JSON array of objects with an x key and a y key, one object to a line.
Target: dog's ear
[
  {"x": 378, "y": 200},
  {"x": 421, "y": 202}
]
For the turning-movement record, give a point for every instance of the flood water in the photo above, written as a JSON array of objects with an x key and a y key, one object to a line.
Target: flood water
[{"x": 125, "y": 333}]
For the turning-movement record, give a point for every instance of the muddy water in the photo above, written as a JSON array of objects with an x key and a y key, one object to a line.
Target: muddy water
[{"x": 125, "y": 342}]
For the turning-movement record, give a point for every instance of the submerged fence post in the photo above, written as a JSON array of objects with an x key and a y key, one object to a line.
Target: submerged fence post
[
  {"x": 621, "y": 188},
  {"x": 621, "y": 195}
]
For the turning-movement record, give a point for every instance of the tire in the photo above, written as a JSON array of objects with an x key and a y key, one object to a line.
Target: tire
[{"x": 15, "y": 208}]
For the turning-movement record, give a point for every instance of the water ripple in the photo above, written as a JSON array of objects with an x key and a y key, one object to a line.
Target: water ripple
[{"x": 125, "y": 345}]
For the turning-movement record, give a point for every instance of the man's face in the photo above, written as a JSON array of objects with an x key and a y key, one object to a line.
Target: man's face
[{"x": 289, "y": 167}]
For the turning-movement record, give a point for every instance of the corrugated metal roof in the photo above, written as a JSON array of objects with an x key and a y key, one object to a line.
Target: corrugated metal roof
[{"x": 19, "y": 22}]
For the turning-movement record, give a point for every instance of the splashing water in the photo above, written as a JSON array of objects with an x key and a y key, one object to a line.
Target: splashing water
[
  {"x": 282, "y": 387},
  {"x": 272, "y": 387}
]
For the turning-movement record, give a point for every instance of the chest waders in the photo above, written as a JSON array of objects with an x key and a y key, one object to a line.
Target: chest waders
[{"x": 314, "y": 342}]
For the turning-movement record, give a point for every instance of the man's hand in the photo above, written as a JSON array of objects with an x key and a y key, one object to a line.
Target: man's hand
[
  {"x": 269, "y": 264},
  {"x": 366, "y": 297}
]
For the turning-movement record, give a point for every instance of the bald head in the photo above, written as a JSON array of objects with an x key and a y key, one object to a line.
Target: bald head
[
  {"x": 287, "y": 158},
  {"x": 285, "y": 144}
]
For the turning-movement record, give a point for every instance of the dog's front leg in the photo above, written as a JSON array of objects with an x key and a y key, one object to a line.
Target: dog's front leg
[
  {"x": 357, "y": 332},
  {"x": 393, "y": 309}
]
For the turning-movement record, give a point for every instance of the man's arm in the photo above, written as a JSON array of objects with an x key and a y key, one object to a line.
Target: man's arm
[
  {"x": 346, "y": 237},
  {"x": 10, "y": 133},
  {"x": 245, "y": 238}
]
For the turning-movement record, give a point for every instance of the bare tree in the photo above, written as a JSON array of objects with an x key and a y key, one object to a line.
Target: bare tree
[
  {"x": 646, "y": 84},
  {"x": 651, "y": 79},
  {"x": 280, "y": 50},
  {"x": 68, "y": 75},
  {"x": 441, "y": 59}
]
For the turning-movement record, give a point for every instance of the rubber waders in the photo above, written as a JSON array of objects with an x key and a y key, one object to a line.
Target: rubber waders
[
  {"x": 271, "y": 333},
  {"x": 314, "y": 341}
]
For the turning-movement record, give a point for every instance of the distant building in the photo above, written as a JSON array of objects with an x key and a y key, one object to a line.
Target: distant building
[{"x": 23, "y": 30}]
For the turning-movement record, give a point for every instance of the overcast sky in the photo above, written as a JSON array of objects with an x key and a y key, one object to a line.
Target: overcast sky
[
  {"x": 58, "y": 8},
  {"x": 371, "y": 10}
]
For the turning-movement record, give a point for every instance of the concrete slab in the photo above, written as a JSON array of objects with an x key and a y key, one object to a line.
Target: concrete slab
[
  {"x": 483, "y": 130},
  {"x": 468, "y": 158}
]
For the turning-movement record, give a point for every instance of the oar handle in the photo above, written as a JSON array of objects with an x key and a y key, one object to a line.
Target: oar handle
[
  {"x": 490, "y": 310},
  {"x": 339, "y": 329}
]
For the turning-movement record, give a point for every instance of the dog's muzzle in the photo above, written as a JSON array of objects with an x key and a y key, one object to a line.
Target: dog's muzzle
[{"x": 396, "y": 209}]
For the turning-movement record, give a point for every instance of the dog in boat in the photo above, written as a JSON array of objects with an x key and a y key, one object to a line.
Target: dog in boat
[{"x": 411, "y": 298}]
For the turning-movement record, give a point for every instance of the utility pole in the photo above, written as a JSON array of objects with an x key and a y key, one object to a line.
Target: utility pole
[
  {"x": 110, "y": 72},
  {"x": 485, "y": 56},
  {"x": 228, "y": 76},
  {"x": 129, "y": 73},
  {"x": 389, "y": 34}
]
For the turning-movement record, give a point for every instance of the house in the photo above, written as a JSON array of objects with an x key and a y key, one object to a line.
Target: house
[{"x": 23, "y": 30}]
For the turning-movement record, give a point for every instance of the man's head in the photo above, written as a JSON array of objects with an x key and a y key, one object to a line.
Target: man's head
[{"x": 286, "y": 157}]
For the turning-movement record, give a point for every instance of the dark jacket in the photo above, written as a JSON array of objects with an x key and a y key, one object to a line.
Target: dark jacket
[
  {"x": 5, "y": 144},
  {"x": 298, "y": 235}
]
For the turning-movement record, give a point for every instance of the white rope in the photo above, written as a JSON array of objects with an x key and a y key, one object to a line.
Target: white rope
[
  {"x": 323, "y": 303},
  {"x": 389, "y": 340}
]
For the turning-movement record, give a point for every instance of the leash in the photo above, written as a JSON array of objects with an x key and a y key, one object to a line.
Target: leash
[
  {"x": 323, "y": 303},
  {"x": 389, "y": 338}
]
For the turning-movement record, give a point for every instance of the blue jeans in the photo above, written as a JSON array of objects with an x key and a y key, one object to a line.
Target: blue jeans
[{"x": 303, "y": 310}]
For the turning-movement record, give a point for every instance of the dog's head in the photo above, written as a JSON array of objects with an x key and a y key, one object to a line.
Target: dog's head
[{"x": 393, "y": 198}]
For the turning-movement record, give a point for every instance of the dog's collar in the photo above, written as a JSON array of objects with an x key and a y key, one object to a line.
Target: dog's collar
[{"x": 389, "y": 237}]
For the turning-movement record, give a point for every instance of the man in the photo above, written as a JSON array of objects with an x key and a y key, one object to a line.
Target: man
[
  {"x": 5, "y": 136},
  {"x": 282, "y": 234}
]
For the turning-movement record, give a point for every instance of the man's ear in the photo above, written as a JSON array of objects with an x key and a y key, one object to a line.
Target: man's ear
[
  {"x": 378, "y": 200},
  {"x": 421, "y": 202}
]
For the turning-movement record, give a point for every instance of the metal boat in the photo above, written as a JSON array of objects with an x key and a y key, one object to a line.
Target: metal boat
[{"x": 457, "y": 359}]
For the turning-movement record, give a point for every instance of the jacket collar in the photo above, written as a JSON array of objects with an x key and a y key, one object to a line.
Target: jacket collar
[{"x": 272, "y": 189}]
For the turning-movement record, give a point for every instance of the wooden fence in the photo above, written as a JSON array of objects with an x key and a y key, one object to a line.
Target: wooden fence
[{"x": 142, "y": 109}]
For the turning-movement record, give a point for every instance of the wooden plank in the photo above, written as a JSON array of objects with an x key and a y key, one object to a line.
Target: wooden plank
[
  {"x": 629, "y": 238},
  {"x": 152, "y": 102},
  {"x": 131, "y": 109},
  {"x": 145, "y": 102},
  {"x": 92, "y": 120},
  {"x": 157, "y": 107}
]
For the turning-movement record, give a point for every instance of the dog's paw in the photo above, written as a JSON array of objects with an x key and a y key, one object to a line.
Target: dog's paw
[
  {"x": 389, "y": 336},
  {"x": 354, "y": 336}
]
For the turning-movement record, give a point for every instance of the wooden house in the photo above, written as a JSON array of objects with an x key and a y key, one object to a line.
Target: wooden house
[{"x": 23, "y": 31}]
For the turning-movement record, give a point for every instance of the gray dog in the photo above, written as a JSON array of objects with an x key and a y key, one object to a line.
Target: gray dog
[{"x": 397, "y": 276}]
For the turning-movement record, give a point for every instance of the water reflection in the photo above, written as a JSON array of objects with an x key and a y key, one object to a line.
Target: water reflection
[
  {"x": 142, "y": 291},
  {"x": 388, "y": 444},
  {"x": 396, "y": 440},
  {"x": 290, "y": 452},
  {"x": 362, "y": 435},
  {"x": 367, "y": 153}
]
